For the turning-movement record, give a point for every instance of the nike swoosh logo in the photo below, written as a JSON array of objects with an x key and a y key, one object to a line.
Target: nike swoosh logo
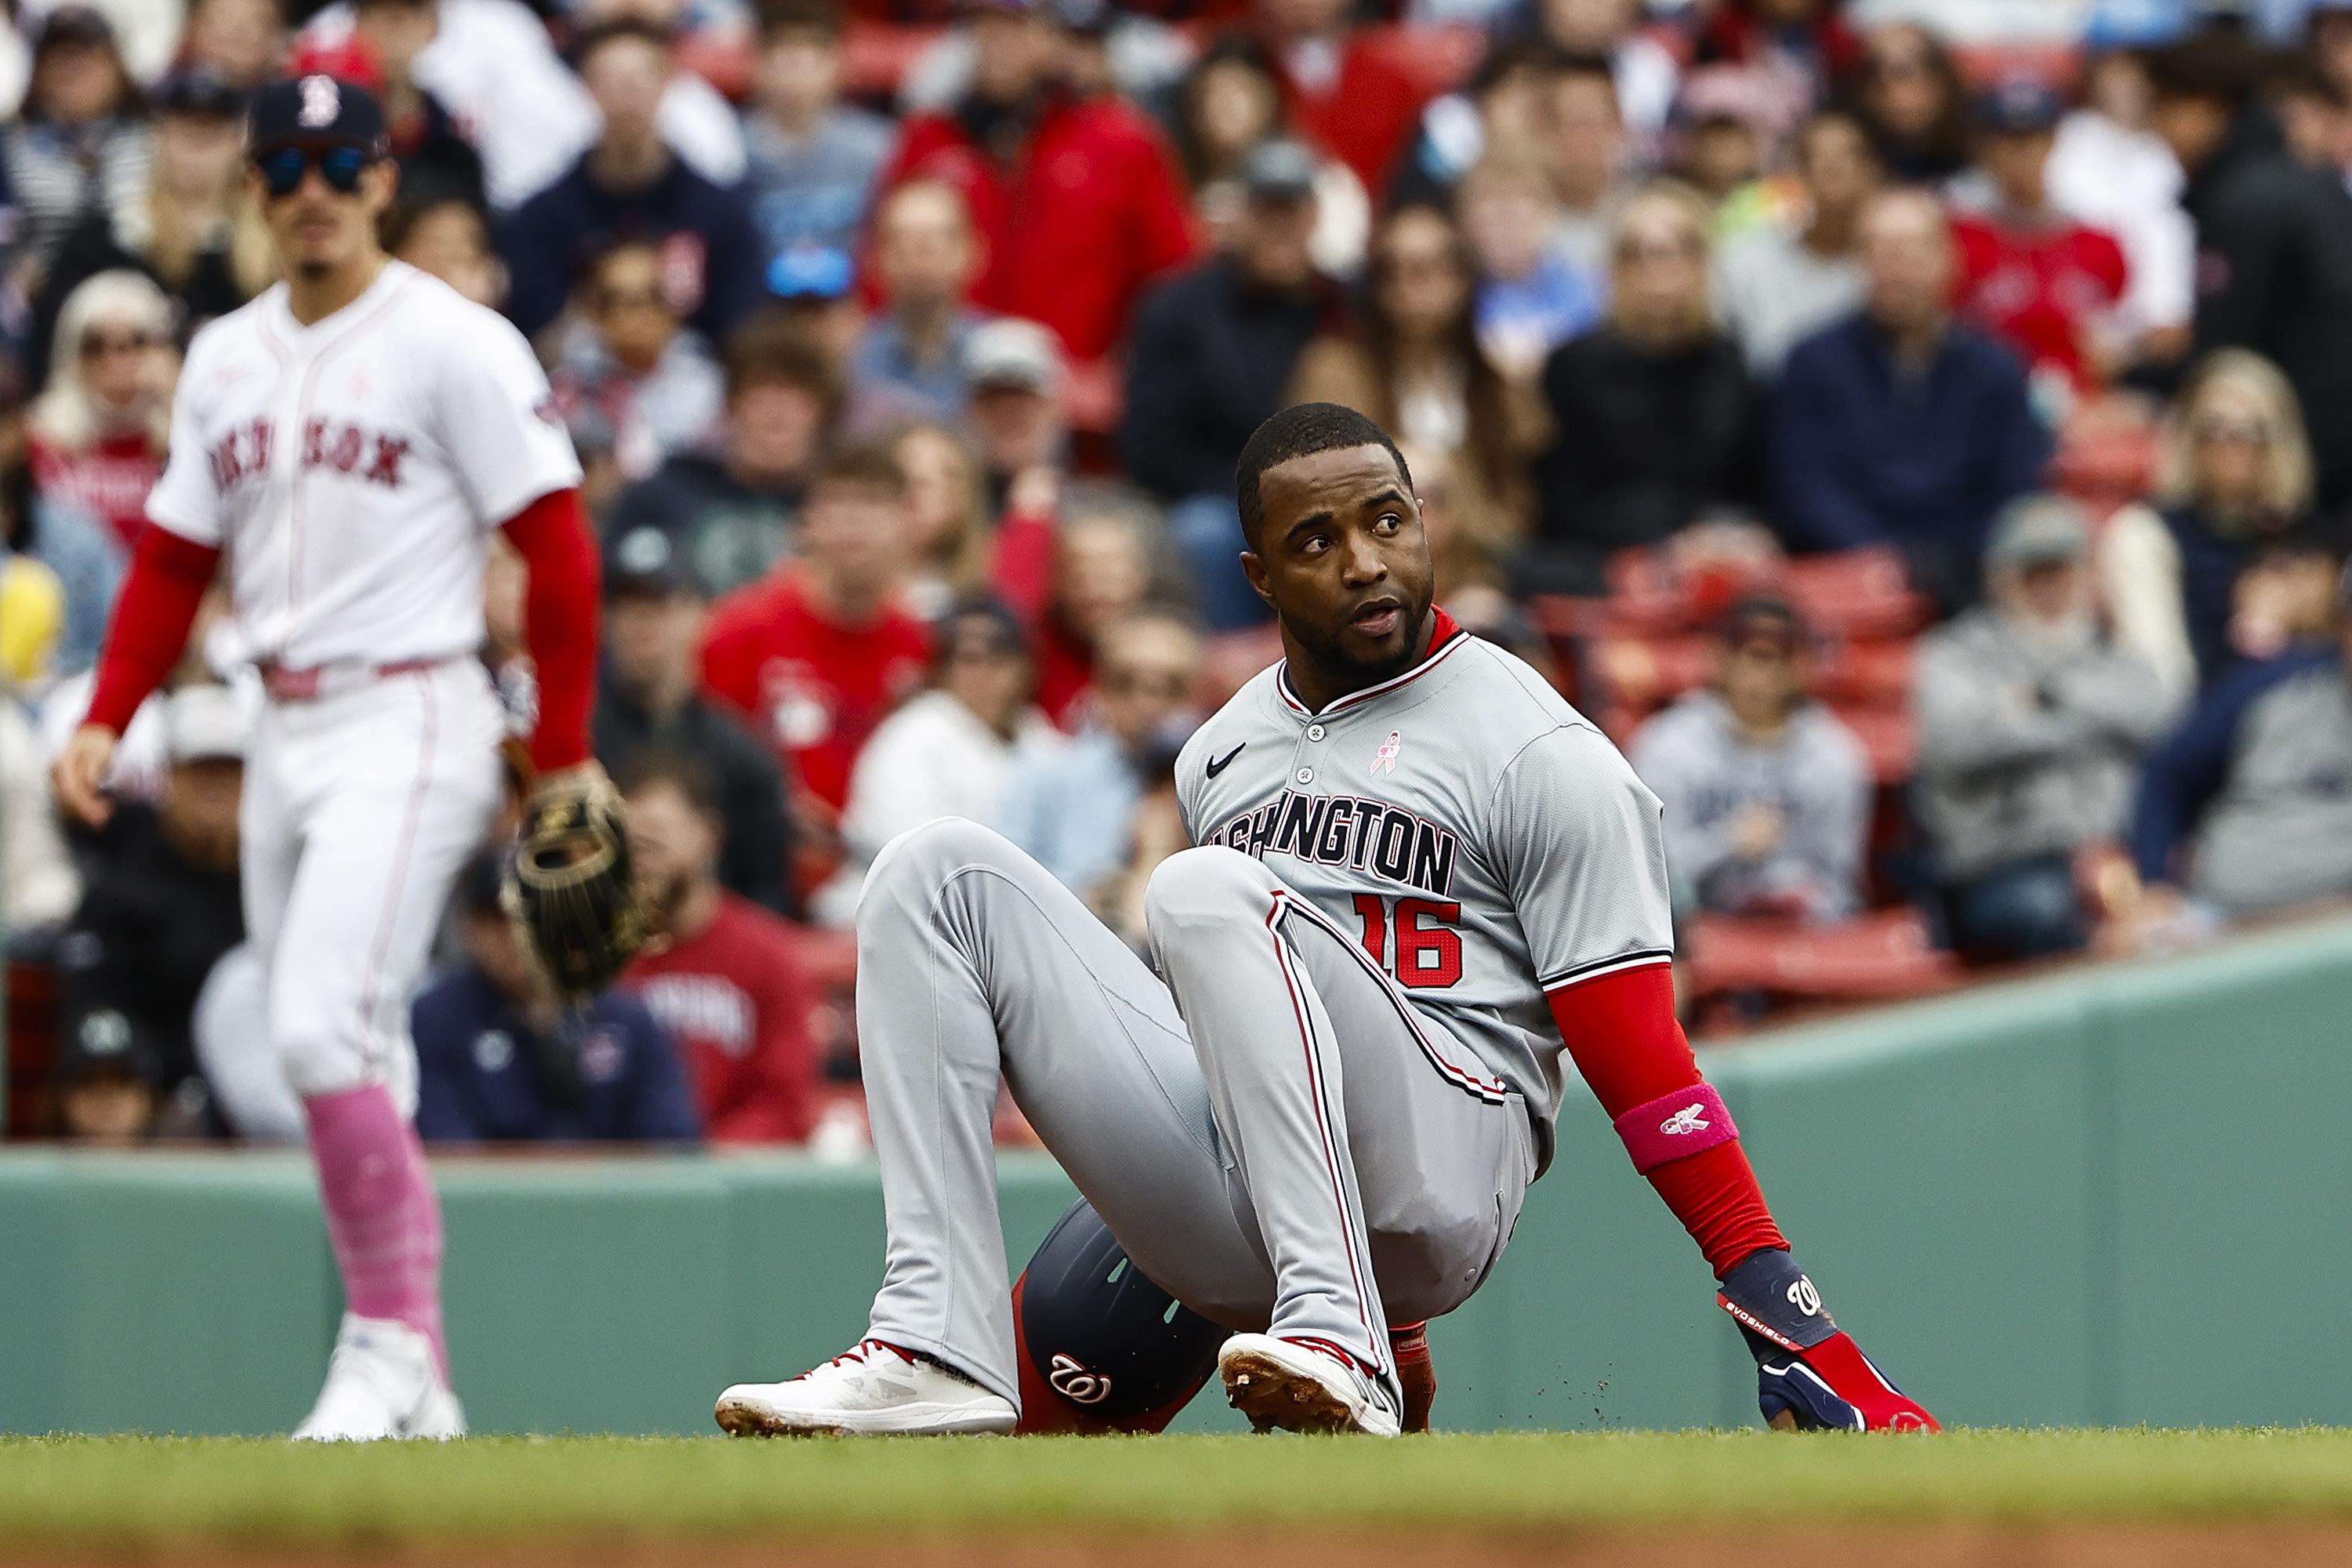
[{"x": 1219, "y": 765}]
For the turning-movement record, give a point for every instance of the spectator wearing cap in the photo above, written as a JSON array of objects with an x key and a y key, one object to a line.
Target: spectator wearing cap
[
  {"x": 1212, "y": 358},
  {"x": 500, "y": 1061},
  {"x": 812, "y": 290},
  {"x": 1344, "y": 94},
  {"x": 1775, "y": 286},
  {"x": 630, "y": 185},
  {"x": 2031, "y": 723},
  {"x": 1077, "y": 204},
  {"x": 1073, "y": 808},
  {"x": 909, "y": 365},
  {"x": 731, "y": 513},
  {"x": 648, "y": 704},
  {"x": 817, "y": 653},
  {"x": 196, "y": 230},
  {"x": 726, "y": 980},
  {"x": 1766, "y": 795},
  {"x": 2273, "y": 239},
  {"x": 636, "y": 369},
  {"x": 2236, "y": 477},
  {"x": 1900, "y": 425},
  {"x": 2247, "y": 808},
  {"x": 814, "y": 160},
  {"x": 82, "y": 142},
  {"x": 1655, "y": 423},
  {"x": 2044, "y": 283},
  {"x": 160, "y": 902},
  {"x": 950, "y": 751},
  {"x": 1016, "y": 412},
  {"x": 95, "y": 438}
]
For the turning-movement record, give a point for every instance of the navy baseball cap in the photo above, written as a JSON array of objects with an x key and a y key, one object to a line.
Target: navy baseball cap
[
  {"x": 646, "y": 561},
  {"x": 317, "y": 111},
  {"x": 2022, "y": 106}
]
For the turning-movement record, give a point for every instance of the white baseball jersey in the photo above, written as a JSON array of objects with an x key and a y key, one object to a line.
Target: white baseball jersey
[
  {"x": 354, "y": 468},
  {"x": 1482, "y": 839}
]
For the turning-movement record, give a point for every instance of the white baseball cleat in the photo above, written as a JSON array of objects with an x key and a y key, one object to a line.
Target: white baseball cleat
[
  {"x": 381, "y": 1383},
  {"x": 872, "y": 1389},
  {"x": 1296, "y": 1387}
]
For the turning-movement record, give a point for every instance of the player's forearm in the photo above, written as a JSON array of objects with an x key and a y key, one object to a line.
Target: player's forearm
[
  {"x": 1621, "y": 1032},
  {"x": 167, "y": 580},
  {"x": 561, "y": 608}
]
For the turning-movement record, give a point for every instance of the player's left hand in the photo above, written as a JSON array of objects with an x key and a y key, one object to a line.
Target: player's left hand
[{"x": 1809, "y": 1374}]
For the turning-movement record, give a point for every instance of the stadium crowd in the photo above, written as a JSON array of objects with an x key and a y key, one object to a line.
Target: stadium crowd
[{"x": 1927, "y": 451}]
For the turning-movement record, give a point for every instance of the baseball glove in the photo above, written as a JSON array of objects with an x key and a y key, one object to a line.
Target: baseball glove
[{"x": 571, "y": 890}]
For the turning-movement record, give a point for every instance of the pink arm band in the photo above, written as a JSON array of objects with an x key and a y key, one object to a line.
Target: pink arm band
[{"x": 1675, "y": 1126}]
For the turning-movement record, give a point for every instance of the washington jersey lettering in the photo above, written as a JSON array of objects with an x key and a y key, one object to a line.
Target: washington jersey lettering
[
  {"x": 1481, "y": 838},
  {"x": 353, "y": 469}
]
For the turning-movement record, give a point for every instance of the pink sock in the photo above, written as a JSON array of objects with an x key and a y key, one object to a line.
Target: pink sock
[{"x": 382, "y": 1214}]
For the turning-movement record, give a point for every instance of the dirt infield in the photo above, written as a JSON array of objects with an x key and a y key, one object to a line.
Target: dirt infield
[{"x": 1944, "y": 1545}]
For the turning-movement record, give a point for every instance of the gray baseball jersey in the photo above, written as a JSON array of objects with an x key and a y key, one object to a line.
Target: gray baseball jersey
[{"x": 1486, "y": 842}]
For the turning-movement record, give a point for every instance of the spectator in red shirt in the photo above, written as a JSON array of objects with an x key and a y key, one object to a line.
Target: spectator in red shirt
[
  {"x": 2028, "y": 272},
  {"x": 1078, "y": 205},
  {"x": 728, "y": 984},
  {"x": 1346, "y": 96},
  {"x": 820, "y": 651},
  {"x": 97, "y": 436}
]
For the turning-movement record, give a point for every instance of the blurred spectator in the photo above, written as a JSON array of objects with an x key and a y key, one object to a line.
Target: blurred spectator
[
  {"x": 1655, "y": 424},
  {"x": 2328, "y": 25},
  {"x": 1643, "y": 69},
  {"x": 38, "y": 884},
  {"x": 947, "y": 514},
  {"x": 732, "y": 514},
  {"x": 1583, "y": 143},
  {"x": 1915, "y": 104},
  {"x": 97, "y": 437},
  {"x": 812, "y": 159},
  {"x": 1720, "y": 154},
  {"x": 820, "y": 651},
  {"x": 1100, "y": 574},
  {"x": 909, "y": 363},
  {"x": 1073, "y": 807},
  {"x": 1766, "y": 795},
  {"x": 1157, "y": 833},
  {"x": 950, "y": 751},
  {"x": 450, "y": 240},
  {"x": 2237, "y": 471},
  {"x": 238, "y": 40},
  {"x": 646, "y": 702},
  {"x": 813, "y": 290},
  {"x": 2110, "y": 171},
  {"x": 499, "y": 1060},
  {"x": 1778, "y": 285},
  {"x": 2030, "y": 730},
  {"x": 726, "y": 981},
  {"x": 2244, "y": 806},
  {"x": 1016, "y": 412},
  {"x": 635, "y": 368},
  {"x": 1345, "y": 95},
  {"x": 1799, "y": 49},
  {"x": 196, "y": 231},
  {"x": 85, "y": 557},
  {"x": 1213, "y": 353},
  {"x": 1230, "y": 101},
  {"x": 2314, "y": 112},
  {"x": 1899, "y": 425},
  {"x": 2029, "y": 273},
  {"x": 1530, "y": 299},
  {"x": 160, "y": 902},
  {"x": 81, "y": 143},
  {"x": 1508, "y": 102},
  {"x": 2274, "y": 237},
  {"x": 1412, "y": 363},
  {"x": 1077, "y": 204},
  {"x": 108, "y": 1082},
  {"x": 631, "y": 186},
  {"x": 437, "y": 161}
]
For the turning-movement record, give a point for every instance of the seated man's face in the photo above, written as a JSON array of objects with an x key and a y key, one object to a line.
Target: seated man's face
[
  {"x": 673, "y": 845},
  {"x": 650, "y": 638},
  {"x": 1017, "y": 428},
  {"x": 107, "y": 1108},
  {"x": 772, "y": 430},
  {"x": 1144, "y": 677},
  {"x": 1763, "y": 679},
  {"x": 2051, "y": 593},
  {"x": 490, "y": 942}
]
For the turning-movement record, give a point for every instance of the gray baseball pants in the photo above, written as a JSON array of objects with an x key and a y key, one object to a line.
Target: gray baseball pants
[{"x": 1283, "y": 1144}]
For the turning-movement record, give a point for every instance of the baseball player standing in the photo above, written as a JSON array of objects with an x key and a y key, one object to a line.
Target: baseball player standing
[
  {"x": 1420, "y": 873},
  {"x": 349, "y": 439}
]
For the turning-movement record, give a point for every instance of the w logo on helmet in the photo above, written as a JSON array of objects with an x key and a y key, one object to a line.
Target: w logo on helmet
[
  {"x": 1686, "y": 1119},
  {"x": 1074, "y": 1382}
]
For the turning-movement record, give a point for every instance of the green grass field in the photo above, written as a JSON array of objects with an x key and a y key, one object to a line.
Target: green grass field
[{"x": 100, "y": 1491}]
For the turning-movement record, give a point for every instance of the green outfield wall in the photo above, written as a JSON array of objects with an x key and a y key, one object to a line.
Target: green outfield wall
[{"x": 2117, "y": 1194}]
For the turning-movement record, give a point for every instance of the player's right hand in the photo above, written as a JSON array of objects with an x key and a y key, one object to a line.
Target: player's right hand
[
  {"x": 78, "y": 776},
  {"x": 1809, "y": 1374}
]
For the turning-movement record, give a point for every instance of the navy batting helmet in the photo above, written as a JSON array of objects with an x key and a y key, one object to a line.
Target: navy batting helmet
[{"x": 1102, "y": 1336}]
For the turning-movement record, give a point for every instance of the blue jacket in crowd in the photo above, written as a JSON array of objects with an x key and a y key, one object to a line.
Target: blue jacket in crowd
[
  {"x": 486, "y": 1076},
  {"x": 1861, "y": 456}
]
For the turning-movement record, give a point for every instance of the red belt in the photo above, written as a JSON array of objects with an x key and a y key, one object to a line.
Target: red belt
[{"x": 286, "y": 685}]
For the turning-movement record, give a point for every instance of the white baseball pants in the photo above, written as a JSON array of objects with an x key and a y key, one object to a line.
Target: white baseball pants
[
  {"x": 1311, "y": 1156},
  {"x": 360, "y": 809}
]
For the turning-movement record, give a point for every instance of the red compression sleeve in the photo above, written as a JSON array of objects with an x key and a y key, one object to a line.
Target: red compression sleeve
[
  {"x": 560, "y": 613},
  {"x": 168, "y": 577},
  {"x": 1621, "y": 1032}
]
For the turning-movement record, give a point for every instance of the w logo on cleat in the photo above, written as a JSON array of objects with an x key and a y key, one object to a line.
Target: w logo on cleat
[
  {"x": 1074, "y": 1382},
  {"x": 1686, "y": 1119}
]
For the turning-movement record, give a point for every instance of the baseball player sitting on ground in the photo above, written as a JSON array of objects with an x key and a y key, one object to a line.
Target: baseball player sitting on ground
[
  {"x": 1420, "y": 873},
  {"x": 349, "y": 440}
]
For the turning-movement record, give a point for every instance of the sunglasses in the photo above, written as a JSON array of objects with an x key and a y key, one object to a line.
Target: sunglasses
[
  {"x": 340, "y": 167},
  {"x": 97, "y": 345}
]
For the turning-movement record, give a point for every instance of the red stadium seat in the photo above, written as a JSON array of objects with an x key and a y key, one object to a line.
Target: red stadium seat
[
  {"x": 1882, "y": 955},
  {"x": 876, "y": 54},
  {"x": 1856, "y": 594}
]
